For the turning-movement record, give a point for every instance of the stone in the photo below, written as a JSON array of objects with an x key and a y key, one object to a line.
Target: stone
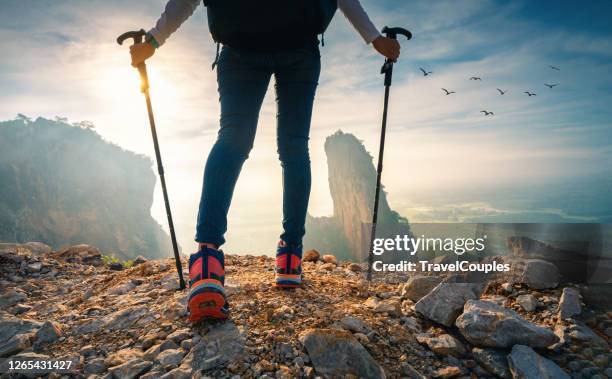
[
  {"x": 130, "y": 369},
  {"x": 139, "y": 260},
  {"x": 49, "y": 332},
  {"x": 12, "y": 297},
  {"x": 179, "y": 335},
  {"x": 177, "y": 373},
  {"x": 487, "y": 324},
  {"x": 569, "y": 305},
  {"x": 152, "y": 353},
  {"x": 21, "y": 308},
  {"x": 445, "y": 302},
  {"x": 536, "y": 273},
  {"x": 95, "y": 366},
  {"x": 337, "y": 353},
  {"x": 354, "y": 324},
  {"x": 14, "y": 345},
  {"x": 327, "y": 267},
  {"x": 310, "y": 256},
  {"x": 419, "y": 286},
  {"x": 122, "y": 356},
  {"x": 584, "y": 334},
  {"x": 525, "y": 363},
  {"x": 406, "y": 370},
  {"x": 528, "y": 302},
  {"x": 355, "y": 267},
  {"x": 391, "y": 306},
  {"x": 170, "y": 358},
  {"x": 38, "y": 248},
  {"x": 168, "y": 345},
  {"x": 83, "y": 254},
  {"x": 34, "y": 267},
  {"x": 444, "y": 344},
  {"x": 223, "y": 344},
  {"x": 328, "y": 258},
  {"x": 493, "y": 361},
  {"x": 115, "y": 266},
  {"x": 448, "y": 372}
]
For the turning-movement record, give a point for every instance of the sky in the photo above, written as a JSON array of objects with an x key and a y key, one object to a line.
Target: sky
[{"x": 540, "y": 158}]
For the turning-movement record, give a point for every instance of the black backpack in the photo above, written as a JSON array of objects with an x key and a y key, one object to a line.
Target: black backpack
[{"x": 268, "y": 25}]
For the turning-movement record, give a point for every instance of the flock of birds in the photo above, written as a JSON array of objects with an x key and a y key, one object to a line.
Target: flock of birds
[{"x": 501, "y": 92}]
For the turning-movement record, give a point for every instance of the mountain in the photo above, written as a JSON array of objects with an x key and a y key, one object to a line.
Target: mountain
[
  {"x": 132, "y": 323},
  {"x": 352, "y": 184},
  {"x": 62, "y": 184}
]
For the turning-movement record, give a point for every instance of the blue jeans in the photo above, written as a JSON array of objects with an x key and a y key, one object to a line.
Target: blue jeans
[{"x": 243, "y": 79}]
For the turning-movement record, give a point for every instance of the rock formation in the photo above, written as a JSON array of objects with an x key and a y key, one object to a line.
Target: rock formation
[
  {"x": 63, "y": 184},
  {"x": 352, "y": 185}
]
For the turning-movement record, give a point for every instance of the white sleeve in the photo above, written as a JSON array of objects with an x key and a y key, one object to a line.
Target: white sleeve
[
  {"x": 358, "y": 17},
  {"x": 176, "y": 12}
]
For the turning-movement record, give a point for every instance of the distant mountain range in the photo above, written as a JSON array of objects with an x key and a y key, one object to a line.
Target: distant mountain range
[{"x": 62, "y": 184}]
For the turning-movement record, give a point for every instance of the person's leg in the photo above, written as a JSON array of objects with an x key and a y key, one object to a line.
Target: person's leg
[
  {"x": 297, "y": 76},
  {"x": 243, "y": 80}
]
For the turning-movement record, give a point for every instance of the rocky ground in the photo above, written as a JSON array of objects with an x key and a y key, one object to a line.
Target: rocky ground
[{"x": 116, "y": 322}]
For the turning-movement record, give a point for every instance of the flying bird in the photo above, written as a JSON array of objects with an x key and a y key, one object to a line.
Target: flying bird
[
  {"x": 551, "y": 85},
  {"x": 487, "y": 113},
  {"x": 554, "y": 68},
  {"x": 530, "y": 93},
  {"x": 475, "y": 78},
  {"x": 425, "y": 73},
  {"x": 447, "y": 91},
  {"x": 502, "y": 92}
]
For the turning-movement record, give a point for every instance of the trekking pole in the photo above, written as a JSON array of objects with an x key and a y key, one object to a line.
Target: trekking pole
[
  {"x": 386, "y": 69},
  {"x": 138, "y": 37}
]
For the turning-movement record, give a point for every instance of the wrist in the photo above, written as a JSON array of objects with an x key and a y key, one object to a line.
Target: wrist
[{"x": 151, "y": 40}]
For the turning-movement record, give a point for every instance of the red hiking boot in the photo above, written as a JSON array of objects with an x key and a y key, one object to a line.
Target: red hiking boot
[
  {"x": 288, "y": 265},
  {"x": 206, "y": 280}
]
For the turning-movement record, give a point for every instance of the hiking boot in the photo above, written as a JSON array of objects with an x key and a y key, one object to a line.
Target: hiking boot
[
  {"x": 288, "y": 265},
  {"x": 206, "y": 280}
]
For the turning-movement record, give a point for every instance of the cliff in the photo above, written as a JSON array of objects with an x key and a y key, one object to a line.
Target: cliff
[
  {"x": 63, "y": 184},
  {"x": 352, "y": 185}
]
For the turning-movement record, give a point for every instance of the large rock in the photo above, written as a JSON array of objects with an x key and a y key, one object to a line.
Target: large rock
[
  {"x": 221, "y": 345},
  {"x": 493, "y": 361},
  {"x": 354, "y": 324},
  {"x": 14, "y": 345},
  {"x": 527, "y": 364},
  {"x": 419, "y": 286},
  {"x": 444, "y": 344},
  {"x": 445, "y": 302},
  {"x": 38, "y": 248},
  {"x": 569, "y": 305},
  {"x": 528, "y": 302},
  {"x": 12, "y": 297},
  {"x": 310, "y": 256},
  {"x": 391, "y": 306},
  {"x": 484, "y": 323},
  {"x": 535, "y": 273},
  {"x": 130, "y": 369},
  {"x": 83, "y": 254},
  {"x": 11, "y": 326},
  {"x": 49, "y": 332},
  {"x": 170, "y": 358},
  {"x": 337, "y": 353}
]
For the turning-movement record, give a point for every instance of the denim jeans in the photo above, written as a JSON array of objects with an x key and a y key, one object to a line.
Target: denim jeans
[{"x": 243, "y": 79}]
